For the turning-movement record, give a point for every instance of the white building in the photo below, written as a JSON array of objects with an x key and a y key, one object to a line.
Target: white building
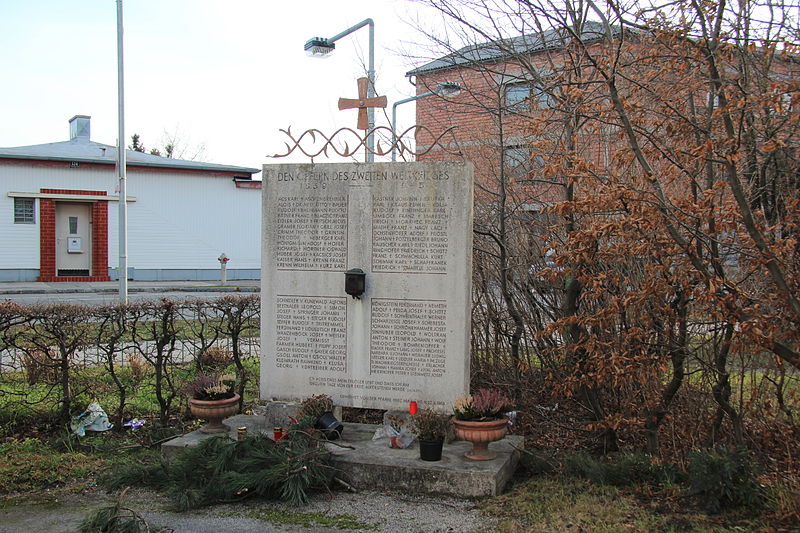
[{"x": 58, "y": 214}]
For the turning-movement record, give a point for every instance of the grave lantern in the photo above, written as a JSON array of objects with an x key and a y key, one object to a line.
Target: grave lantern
[{"x": 355, "y": 281}]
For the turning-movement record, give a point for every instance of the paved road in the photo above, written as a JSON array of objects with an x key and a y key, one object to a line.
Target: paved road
[
  {"x": 365, "y": 511},
  {"x": 89, "y": 298}
]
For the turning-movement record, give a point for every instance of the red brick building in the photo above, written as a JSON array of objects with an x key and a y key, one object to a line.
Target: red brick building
[{"x": 507, "y": 87}]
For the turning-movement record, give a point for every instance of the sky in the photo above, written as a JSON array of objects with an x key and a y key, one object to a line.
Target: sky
[{"x": 226, "y": 75}]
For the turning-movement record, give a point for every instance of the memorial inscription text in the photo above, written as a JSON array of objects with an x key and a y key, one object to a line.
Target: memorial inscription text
[
  {"x": 311, "y": 233},
  {"x": 409, "y": 235},
  {"x": 408, "y": 337},
  {"x": 311, "y": 333}
]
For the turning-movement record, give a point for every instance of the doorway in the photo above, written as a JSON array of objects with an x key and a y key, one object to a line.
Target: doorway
[{"x": 73, "y": 239}]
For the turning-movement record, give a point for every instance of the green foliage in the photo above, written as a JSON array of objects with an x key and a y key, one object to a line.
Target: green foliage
[
  {"x": 724, "y": 479},
  {"x": 621, "y": 470},
  {"x": 115, "y": 518},
  {"x": 219, "y": 469},
  {"x": 30, "y": 465},
  {"x": 136, "y": 144},
  {"x": 127, "y": 474}
]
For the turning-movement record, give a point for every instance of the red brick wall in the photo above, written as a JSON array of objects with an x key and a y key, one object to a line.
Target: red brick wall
[
  {"x": 47, "y": 238},
  {"x": 478, "y": 123},
  {"x": 100, "y": 240}
]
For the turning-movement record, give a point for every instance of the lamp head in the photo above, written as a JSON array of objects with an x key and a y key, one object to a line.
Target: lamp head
[
  {"x": 319, "y": 47},
  {"x": 448, "y": 89}
]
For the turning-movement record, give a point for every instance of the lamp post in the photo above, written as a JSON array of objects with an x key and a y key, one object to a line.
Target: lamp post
[
  {"x": 122, "y": 269},
  {"x": 444, "y": 89},
  {"x": 321, "y": 47}
]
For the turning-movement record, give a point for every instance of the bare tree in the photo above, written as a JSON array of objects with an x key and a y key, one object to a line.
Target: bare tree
[{"x": 663, "y": 141}]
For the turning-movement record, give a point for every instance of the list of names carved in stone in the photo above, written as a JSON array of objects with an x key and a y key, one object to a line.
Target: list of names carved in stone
[
  {"x": 311, "y": 333},
  {"x": 409, "y": 234},
  {"x": 408, "y": 337},
  {"x": 311, "y": 233}
]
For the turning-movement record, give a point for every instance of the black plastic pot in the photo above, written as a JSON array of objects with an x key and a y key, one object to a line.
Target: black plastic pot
[
  {"x": 430, "y": 450},
  {"x": 329, "y": 426}
]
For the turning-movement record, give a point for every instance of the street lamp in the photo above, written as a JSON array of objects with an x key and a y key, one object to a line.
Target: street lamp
[
  {"x": 446, "y": 89},
  {"x": 321, "y": 47},
  {"x": 122, "y": 269}
]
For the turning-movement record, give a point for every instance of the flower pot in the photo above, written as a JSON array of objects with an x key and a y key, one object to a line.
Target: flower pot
[
  {"x": 431, "y": 450},
  {"x": 480, "y": 434},
  {"x": 214, "y": 411},
  {"x": 329, "y": 426}
]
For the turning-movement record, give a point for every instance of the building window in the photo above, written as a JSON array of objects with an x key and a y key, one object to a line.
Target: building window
[
  {"x": 543, "y": 98},
  {"x": 520, "y": 164},
  {"x": 24, "y": 211},
  {"x": 518, "y": 97},
  {"x": 517, "y": 161}
]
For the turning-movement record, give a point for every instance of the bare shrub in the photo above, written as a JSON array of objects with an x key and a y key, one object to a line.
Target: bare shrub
[
  {"x": 214, "y": 358},
  {"x": 39, "y": 367},
  {"x": 138, "y": 366}
]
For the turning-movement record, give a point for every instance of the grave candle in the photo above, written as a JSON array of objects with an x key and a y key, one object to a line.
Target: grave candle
[{"x": 412, "y": 408}]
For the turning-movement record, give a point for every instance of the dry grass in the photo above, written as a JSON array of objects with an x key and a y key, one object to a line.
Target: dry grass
[{"x": 553, "y": 504}]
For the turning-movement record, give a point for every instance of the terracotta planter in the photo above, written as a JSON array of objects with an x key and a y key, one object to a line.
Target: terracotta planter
[
  {"x": 480, "y": 434},
  {"x": 214, "y": 411}
]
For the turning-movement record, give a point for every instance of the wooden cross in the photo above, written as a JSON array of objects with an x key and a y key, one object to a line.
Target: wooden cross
[{"x": 362, "y": 103}]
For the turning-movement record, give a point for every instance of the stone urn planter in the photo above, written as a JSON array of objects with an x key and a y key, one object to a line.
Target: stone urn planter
[
  {"x": 214, "y": 411},
  {"x": 480, "y": 434}
]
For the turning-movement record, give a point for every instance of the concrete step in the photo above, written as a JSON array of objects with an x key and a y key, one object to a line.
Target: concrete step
[{"x": 371, "y": 464}]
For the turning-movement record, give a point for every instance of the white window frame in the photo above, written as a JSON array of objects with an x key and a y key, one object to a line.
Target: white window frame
[{"x": 24, "y": 214}]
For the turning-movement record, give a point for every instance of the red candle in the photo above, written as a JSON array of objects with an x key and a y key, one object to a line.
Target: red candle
[{"x": 412, "y": 408}]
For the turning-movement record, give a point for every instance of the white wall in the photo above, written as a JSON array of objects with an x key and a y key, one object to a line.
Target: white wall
[{"x": 179, "y": 221}]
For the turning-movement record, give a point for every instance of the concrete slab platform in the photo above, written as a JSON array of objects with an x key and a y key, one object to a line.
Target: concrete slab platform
[
  {"x": 253, "y": 424},
  {"x": 374, "y": 465},
  {"x": 367, "y": 464}
]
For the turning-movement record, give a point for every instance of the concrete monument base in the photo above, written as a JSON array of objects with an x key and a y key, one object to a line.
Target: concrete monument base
[{"x": 368, "y": 464}]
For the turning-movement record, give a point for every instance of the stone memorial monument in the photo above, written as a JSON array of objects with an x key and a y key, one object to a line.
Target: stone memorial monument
[{"x": 399, "y": 232}]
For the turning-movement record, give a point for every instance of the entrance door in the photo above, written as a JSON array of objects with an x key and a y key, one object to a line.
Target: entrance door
[{"x": 73, "y": 239}]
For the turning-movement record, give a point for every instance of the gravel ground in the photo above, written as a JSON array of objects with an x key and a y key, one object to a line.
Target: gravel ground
[{"x": 375, "y": 511}]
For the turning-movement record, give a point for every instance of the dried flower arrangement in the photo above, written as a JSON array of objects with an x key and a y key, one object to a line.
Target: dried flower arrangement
[
  {"x": 486, "y": 404},
  {"x": 395, "y": 422},
  {"x": 214, "y": 357},
  {"x": 429, "y": 424},
  {"x": 210, "y": 388},
  {"x": 316, "y": 406}
]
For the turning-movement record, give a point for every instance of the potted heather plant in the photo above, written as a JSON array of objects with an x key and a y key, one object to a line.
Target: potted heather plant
[
  {"x": 211, "y": 398},
  {"x": 320, "y": 409},
  {"x": 430, "y": 427},
  {"x": 480, "y": 419}
]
